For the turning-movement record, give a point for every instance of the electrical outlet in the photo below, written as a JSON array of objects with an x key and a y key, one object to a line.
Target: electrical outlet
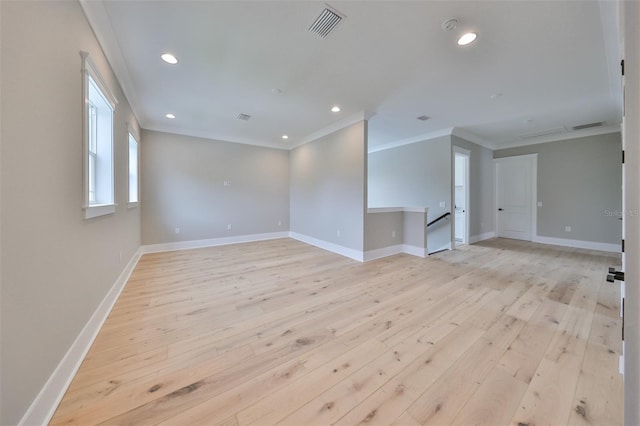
[
  {"x": 443, "y": 204},
  {"x": 567, "y": 229},
  {"x": 177, "y": 230},
  {"x": 279, "y": 223},
  {"x": 229, "y": 227},
  {"x": 393, "y": 234},
  {"x": 338, "y": 233},
  {"x": 227, "y": 183},
  {"x": 539, "y": 203}
]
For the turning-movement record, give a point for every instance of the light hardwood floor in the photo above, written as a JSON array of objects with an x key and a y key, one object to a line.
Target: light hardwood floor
[{"x": 281, "y": 332}]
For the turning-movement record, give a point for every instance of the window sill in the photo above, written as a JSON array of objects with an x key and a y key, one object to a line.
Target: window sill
[
  {"x": 98, "y": 210},
  {"x": 133, "y": 204}
]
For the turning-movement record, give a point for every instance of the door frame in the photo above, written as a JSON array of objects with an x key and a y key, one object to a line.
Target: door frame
[
  {"x": 533, "y": 158},
  {"x": 467, "y": 194}
]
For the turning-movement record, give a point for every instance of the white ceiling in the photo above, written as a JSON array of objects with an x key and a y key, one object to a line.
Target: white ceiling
[{"x": 554, "y": 64}]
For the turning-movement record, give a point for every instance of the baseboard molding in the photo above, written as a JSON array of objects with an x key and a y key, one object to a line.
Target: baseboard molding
[
  {"x": 43, "y": 407},
  {"x": 382, "y": 252},
  {"x": 415, "y": 251},
  {"x": 481, "y": 237},
  {"x": 443, "y": 248},
  {"x": 211, "y": 242},
  {"x": 590, "y": 245},
  {"x": 325, "y": 245}
]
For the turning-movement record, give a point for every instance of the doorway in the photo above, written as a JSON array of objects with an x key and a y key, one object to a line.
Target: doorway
[
  {"x": 516, "y": 196},
  {"x": 461, "y": 196}
]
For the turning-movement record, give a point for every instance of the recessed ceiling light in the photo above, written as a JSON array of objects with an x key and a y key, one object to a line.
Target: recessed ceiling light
[
  {"x": 335, "y": 109},
  {"x": 170, "y": 116},
  {"x": 495, "y": 95},
  {"x": 169, "y": 58},
  {"x": 467, "y": 38},
  {"x": 450, "y": 24},
  {"x": 285, "y": 137}
]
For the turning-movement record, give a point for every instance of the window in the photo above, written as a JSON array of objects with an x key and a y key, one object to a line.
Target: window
[
  {"x": 133, "y": 170},
  {"x": 98, "y": 143}
]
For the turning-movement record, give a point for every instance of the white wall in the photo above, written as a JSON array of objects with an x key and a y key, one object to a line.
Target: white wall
[
  {"x": 183, "y": 187},
  {"x": 56, "y": 266},
  {"x": 328, "y": 187}
]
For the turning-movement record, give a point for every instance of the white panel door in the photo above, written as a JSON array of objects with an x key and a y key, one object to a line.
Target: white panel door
[{"x": 514, "y": 198}]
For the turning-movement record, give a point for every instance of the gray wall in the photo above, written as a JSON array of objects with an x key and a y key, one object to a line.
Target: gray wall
[
  {"x": 328, "y": 187},
  {"x": 383, "y": 230},
  {"x": 56, "y": 266},
  {"x": 578, "y": 181},
  {"x": 415, "y": 175},
  {"x": 481, "y": 214},
  {"x": 183, "y": 187}
]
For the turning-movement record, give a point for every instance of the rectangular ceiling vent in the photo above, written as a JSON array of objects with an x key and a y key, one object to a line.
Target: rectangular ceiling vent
[
  {"x": 244, "y": 117},
  {"x": 588, "y": 125},
  {"x": 327, "y": 21},
  {"x": 548, "y": 132}
]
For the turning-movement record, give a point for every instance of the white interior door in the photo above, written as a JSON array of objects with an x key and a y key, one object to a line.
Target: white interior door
[
  {"x": 461, "y": 196},
  {"x": 515, "y": 197}
]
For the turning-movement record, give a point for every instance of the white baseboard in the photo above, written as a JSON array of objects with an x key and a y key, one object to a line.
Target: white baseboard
[
  {"x": 325, "y": 245},
  {"x": 414, "y": 250},
  {"x": 382, "y": 252},
  {"x": 590, "y": 245},
  {"x": 43, "y": 407},
  {"x": 444, "y": 247},
  {"x": 481, "y": 237},
  {"x": 211, "y": 242}
]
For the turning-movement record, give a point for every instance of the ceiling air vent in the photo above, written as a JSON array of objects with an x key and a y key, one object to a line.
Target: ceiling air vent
[
  {"x": 325, "y": 23},
  {"x": 244, "y": 117},
  {"x": 588, "y": 125},
  {"x": 548, "y": 132},
  {"x": 423, "y": 118}
]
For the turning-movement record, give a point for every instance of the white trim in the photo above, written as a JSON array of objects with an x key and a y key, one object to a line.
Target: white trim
[
  {"x": 470, "y": 137},
  {"x": 101, "y": 25},
  {"x": 534, "y": 190},
  {"x": 415, "y": 250},
  {"x": 98, "y": 210},
  {"x": 334, "y": 127},
  {"x": 594, "y": 131},
  {"x": 414, "y": 139},
  {"x": 397, "y": 209},
  {"x": 481, "y": 237},
  {"x": 467, "y": 193},
  {"x": 211, "y": 242},
  {"x": 590, "y": 245},
  {"x": 44, "y": 406},
  {"x": 382, "y": 252},
  {"x": 326, "y": 245},
  {"x": 444, "y": 247}
]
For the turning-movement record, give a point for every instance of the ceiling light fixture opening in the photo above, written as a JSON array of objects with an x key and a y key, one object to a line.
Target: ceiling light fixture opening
[
  {"x": 335, "y": 108},
  {"x": 171, "y": 116},
  {"x": 467, "y": 38},
  {"x": 169, "y": 58}
]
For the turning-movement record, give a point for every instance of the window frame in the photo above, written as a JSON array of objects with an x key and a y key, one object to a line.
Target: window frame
[
  {"x": 132, "y": 135},
  {"x": 90, "y": 76}
]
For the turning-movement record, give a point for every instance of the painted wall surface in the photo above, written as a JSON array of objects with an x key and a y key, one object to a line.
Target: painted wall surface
[
  {"x": 481, "y": 214},
  {"x": 415, "y": 175},
  {"x": 56, "y": 266},
  {"x": 328, "y": 187},
  {"x": 383, "y": 230},
  {"x": 579, "y": 185},
  {"x": 183, "y": 187}
]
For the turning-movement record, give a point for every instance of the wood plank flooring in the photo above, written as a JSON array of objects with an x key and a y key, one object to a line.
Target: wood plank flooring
[{"x": 279, "y": 332}]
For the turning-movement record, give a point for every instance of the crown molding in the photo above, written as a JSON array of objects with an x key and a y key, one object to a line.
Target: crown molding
[
  {"x": 561, "y": 137},
  {"x": 340, "y": 124},
  {"x": 414, "y": 139}
]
